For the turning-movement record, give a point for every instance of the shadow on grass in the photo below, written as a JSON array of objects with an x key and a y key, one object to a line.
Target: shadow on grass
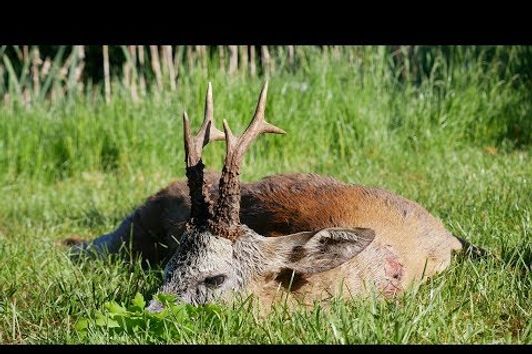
[{"x": 519, "y": 257}]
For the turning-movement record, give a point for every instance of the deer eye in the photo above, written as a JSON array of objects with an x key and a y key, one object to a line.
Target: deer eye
[{"x": 215, "y": 281}]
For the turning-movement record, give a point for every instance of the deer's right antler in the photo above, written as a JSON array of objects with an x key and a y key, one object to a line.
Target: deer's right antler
[
  {"x": 201, "y": 205},
  {"x": 226, "y": 219}
]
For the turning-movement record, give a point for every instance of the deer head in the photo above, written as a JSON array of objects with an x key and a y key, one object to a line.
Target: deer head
[{"x": 217, "y": 255}]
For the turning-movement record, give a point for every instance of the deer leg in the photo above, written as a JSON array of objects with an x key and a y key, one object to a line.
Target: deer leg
[{"x": 109, "y": 243}]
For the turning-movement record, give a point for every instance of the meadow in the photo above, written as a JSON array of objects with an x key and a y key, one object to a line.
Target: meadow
[{"x": 447, "y": 127}]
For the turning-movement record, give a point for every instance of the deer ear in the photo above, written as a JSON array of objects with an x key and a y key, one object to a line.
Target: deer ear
[{"x": 314, "y": 252}]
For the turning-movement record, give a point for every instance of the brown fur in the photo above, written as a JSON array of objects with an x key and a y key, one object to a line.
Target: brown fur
[
  {"x": 409, "y": 243},
  {"x": 287, "y": 204}
]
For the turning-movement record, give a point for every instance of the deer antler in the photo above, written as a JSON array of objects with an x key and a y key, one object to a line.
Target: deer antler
[
  {"x": 226, "y": 214},
  {"x": 201, "y": 205}
]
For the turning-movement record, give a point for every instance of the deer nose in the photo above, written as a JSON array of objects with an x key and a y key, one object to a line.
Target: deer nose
[{"x": 155, "y": 306}]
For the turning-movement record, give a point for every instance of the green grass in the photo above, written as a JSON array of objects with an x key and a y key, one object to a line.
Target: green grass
[{"x": 457, "y": 141}]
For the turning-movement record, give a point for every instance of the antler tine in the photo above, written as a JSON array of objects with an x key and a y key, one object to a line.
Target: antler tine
[
  {"x": 208, "y": 130},
  {"x": 258, "y": 124},
  {"x": 229, "y": 139},
  {"x": 207, "y": 133},
  {"x": 190, "y": 157}
]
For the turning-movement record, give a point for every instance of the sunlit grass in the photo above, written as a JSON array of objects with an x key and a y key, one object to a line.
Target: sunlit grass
[{"x": 457, "y": 143}]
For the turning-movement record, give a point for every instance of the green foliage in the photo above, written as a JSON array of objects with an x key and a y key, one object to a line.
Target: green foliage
[{"x": 135, "y": 320}]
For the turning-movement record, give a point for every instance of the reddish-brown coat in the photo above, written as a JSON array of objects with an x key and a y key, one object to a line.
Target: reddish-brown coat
[{"x": 409, "y": 243}]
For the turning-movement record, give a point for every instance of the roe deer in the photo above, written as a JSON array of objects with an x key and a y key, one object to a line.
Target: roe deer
[{"x": 310, "y": 235}]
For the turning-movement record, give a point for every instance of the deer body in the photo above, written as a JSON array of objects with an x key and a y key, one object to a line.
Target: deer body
[
  {"x": 409, "y": 242},
  {"x": 303, "y": 234}
]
